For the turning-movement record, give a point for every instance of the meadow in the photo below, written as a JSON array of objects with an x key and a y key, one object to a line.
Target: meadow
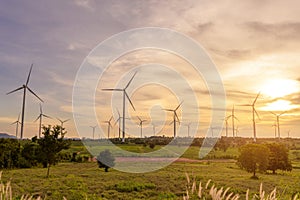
[{"x": 86, "y": 180}]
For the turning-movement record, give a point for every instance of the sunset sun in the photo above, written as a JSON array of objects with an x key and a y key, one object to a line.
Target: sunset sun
[{"x": 277, "y": 88}]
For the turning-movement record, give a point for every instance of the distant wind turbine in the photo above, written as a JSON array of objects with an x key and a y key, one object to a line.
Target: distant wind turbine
[
  {"x": 233, "y": 117},
  {"x": 25, "y": 88},
  {"x": 93, "y": 127},
  {"x": 277, "y": 120},
  {"x": 188, "y": 128},
  {"x": 17, "y": 125},
  {"x": 226, "y": 122},
  {"x": 175, "y": 116},
  {"x": 254, "y": 112},
  {"x": 108, "y": 126},
  {"x": 119, "y": 121},
  {"x": 125, "y": 95},
  {"x": 153, "y": 128},
  {"x": 62, "y": 123},
  {"x": 41, "y": 115},
  {"x": 141, "y": 125}
]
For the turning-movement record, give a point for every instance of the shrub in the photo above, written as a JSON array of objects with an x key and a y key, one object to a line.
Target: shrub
[{"x": 105, "y": 160}]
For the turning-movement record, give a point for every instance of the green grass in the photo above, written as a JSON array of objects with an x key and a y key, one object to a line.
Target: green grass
[{"x": 81, "y": 180}]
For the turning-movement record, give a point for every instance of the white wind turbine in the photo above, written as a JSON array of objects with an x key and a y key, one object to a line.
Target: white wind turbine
[
  {"x": 108, "y": 126},
  {"x": 277, "y": 120},
  {"x": 233, "y": 117},
  {"x": 254, "y": 112},
  {"x": 17, "y": 125},
  {"x": 40, "y": 117},
  {"x": 93, "y": 127},
  {"x": 175, "y": 117},
  {"x": 125, "y": 95},
  {"x": 25, "y": 88},
  {"x": 141, "y": 125},
  {"x": 62, "y": 122}
]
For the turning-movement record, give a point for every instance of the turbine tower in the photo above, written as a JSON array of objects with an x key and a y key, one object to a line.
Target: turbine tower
[
  {"x": 275, "y": 128},
  {"x": 226, "y": 122},
  {"x": 93, "y": 127},
  {"x": 125, "y": 95},
  {"x": 175, "y": 116},
  {"x": 254, "y": 112},
  {"x": 62, "y": 123},
  {"x": 141, "y": 125},
  {"x": 277, "y": 120},
  {"x": 41, "y": 115},
  {"x": 17, "y": 125},
  {"x": 25, "y": 88},
  {"x": 108, "y": 126}
]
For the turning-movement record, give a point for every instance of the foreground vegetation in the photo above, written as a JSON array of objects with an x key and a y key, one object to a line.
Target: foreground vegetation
[{"x": 76, "y": 176}]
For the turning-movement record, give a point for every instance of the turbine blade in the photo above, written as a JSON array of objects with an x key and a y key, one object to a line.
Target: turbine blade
[
  {"x": 66, "y": 120},
  {"x": 14, "y": 122},
  {"x": 130, "y": 81},
  {"x": 59, "y": 120},
  {"x": 29, "y": 75},
  {"x": 34, "y": 94},
  {"x": 171, "y": 122},
  {"x": 15, "y": 90},
  {"x": 47, "y": 116},
  {"x": 256, "y": 98},
  {"x": 41, "y": 109},
  {"x": 110, "y": 119},
  {"x": 129, "y": 100},
  {"x": 256, "y": 114},
  {"x": 245, "y": 105},
  {"x": 178, "y": 106},
  {"x": 117, "y": 121},
  {"x": 273, "y": 113},
  {"x": 118, "y": 113},
  {"x": 37, "y": 118},
  {"x": 139, "y": 118},
  {"x": 169, "y": 110},
  {"x": 19, "y": 117},
  {"x": 282, "y": 113},
  {"x": 109, "y": 89},
  {"x": 176, "y": 116}
]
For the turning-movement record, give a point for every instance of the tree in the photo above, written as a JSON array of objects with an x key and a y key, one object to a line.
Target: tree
[
  {"x": 279, "y": 158},
  {"x": 51, "y": 144},
  {"x": 105, "y": 160},
  {"x": 254, "y": 157}
]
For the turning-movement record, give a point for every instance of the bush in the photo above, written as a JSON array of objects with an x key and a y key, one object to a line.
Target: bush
[{"x": 105, "y": 160}]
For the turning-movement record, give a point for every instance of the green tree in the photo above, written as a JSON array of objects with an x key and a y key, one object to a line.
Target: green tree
[
  {"x": 51, "y": 144},
  {"x": 279, "y": 158},
  {"x": 254, "y": 157},
  {"x": 105, "y": 160},
  {"x": 9, "y": 153}
]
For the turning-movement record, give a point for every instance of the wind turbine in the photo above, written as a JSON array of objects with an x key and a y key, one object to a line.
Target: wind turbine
[
  {"x": 277, "y": 120},
  {"x": 175, "y": 116},
  {"x": 254, "y": 112},
  {"x": 25, "y": 88},
  {"x": 226, "y": 122},
  {"x": 141, "y": 125},
  {"x": 17, "y": 125},
  {"x": 93, "y": 127},
  {"x": 188, "y": 127},
  {"x": 125, "y": 95},
  {"x": 62, "y": 122},
  {"x": 108, "y": 126},
  {"x": 153, "y": 128},
  {"x": 233, "y": 117},
  {"x": 237, "y": 130},
  {"x": 41, "y": 115},
  {"x": 212, "y": 131},
  {"x": 119, "y": 121}
]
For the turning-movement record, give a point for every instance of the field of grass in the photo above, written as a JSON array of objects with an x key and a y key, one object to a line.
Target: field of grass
[{"x": 81, "y": 180}]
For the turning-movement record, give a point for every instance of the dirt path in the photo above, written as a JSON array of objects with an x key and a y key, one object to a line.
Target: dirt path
[{"x": 158, "y": 159}]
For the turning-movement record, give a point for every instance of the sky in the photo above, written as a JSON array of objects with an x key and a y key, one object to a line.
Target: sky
[{"x": 254, "y": 45}]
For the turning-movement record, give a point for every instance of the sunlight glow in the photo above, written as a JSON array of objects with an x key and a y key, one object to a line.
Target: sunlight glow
[
  {"x": 280, "y": 87},
  {"x": 279, "y": 105}
]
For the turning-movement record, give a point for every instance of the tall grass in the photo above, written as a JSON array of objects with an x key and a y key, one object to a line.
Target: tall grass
[{"x": 210, "y": 191}]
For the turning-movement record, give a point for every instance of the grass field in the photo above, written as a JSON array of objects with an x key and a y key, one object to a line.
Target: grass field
[{"x": 81, "y": 180}]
